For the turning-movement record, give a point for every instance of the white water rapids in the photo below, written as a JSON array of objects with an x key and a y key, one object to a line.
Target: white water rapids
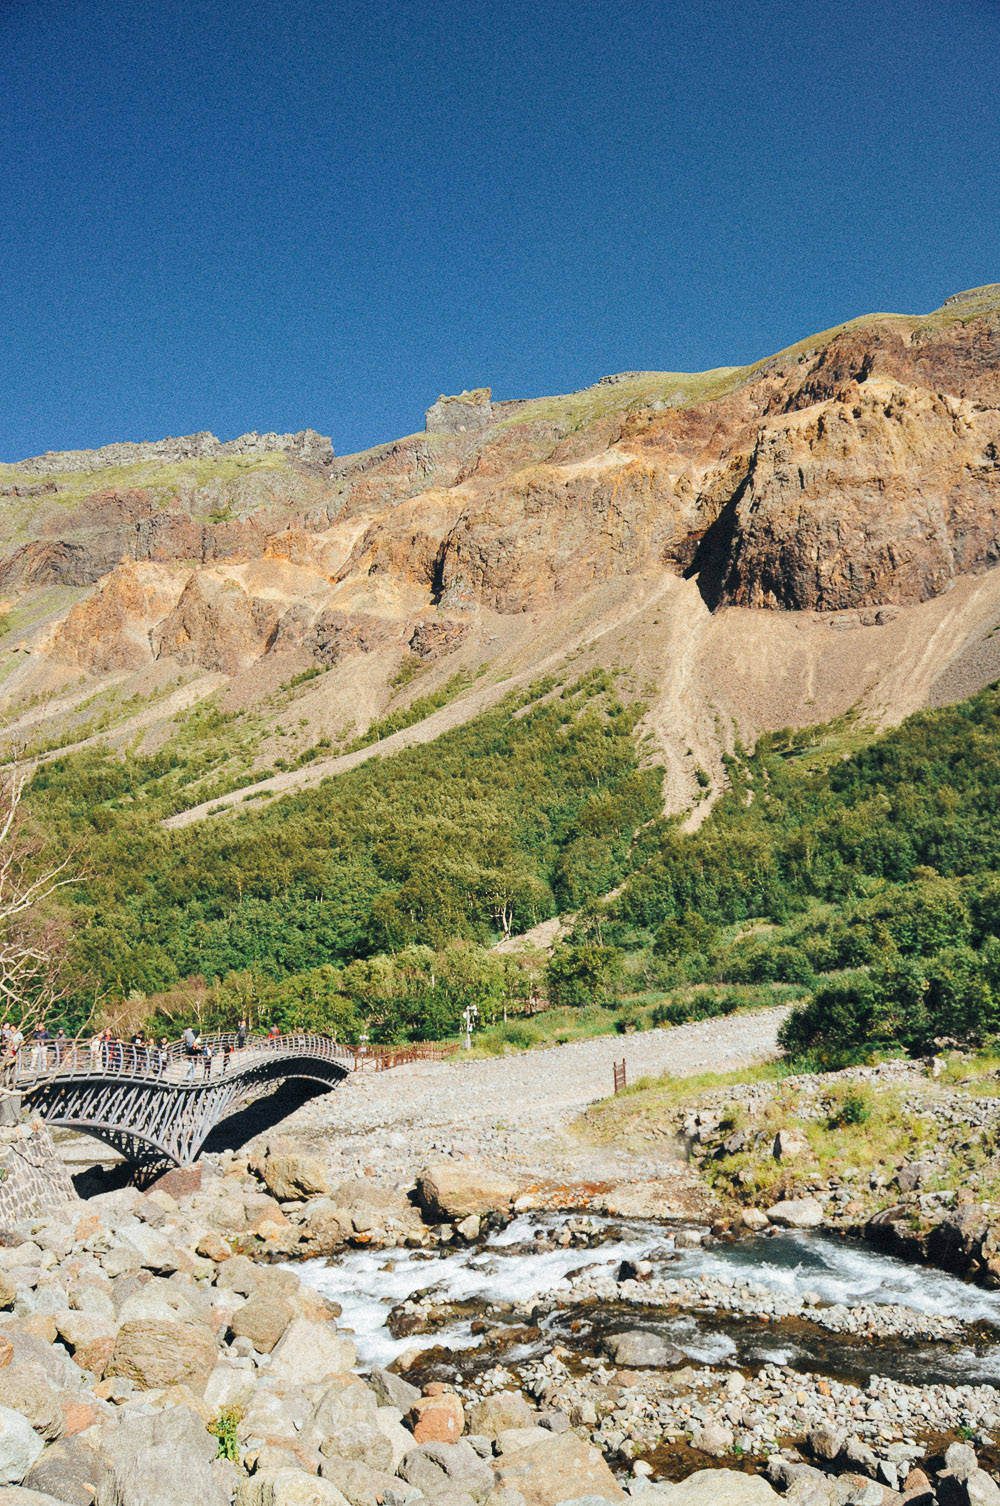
[{"x": 369, "y": 1283}]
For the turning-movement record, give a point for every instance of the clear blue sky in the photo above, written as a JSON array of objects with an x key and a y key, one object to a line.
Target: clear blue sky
[{"x": 268, "y": 214}]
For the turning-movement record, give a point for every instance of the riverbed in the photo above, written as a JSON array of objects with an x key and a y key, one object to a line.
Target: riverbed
[{"x": 525, "y": 1280}]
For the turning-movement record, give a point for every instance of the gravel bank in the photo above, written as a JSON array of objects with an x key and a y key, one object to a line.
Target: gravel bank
[{"x": 516, "y": 1109}]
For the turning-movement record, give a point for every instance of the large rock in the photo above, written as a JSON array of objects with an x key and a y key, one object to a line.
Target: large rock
[
  {"x": 392, "y": 1390},
  {"x": 154, "y": 1354},
  {"x": 26, "y": 1389},
  {"x": 293, "y": 1178},
  {"x": 796, "y": 1213},
  {"x": 453, "y": 1191},
  {"x": 437, "y": 1419},
  {"x": 262, "y": 1320},
  {"x": 559, "y": 1469},
  {"x": 67, "y": 1470},
  {"x": 288, "y": 1487},
  {"x": 160, "y": 1475},
  {"x": 789, "y": 1144},
  {"x": 495, "y": 1414},
  {"x": 308, "y": 1352},
  {"x": 20, "y": 1446},
  {"x": 468, "y": 411},
  {"x": 639, "y": 1348},
  {"x": 360, "y": 1484},
  {"x": 438, "y": 1467},
  {"x": 718, "y": 1487}
]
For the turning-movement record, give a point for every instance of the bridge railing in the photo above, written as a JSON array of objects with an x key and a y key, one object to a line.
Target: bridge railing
[
  {"x": 381, "y": 1058},
  {"x": 173, "y": 1062}
]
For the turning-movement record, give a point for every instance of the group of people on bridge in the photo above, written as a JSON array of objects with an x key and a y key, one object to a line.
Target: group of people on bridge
[{"x": 141, "y": 1054}]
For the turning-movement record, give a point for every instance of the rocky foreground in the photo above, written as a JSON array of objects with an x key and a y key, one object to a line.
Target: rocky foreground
[{"x": 153, "y": 1353}]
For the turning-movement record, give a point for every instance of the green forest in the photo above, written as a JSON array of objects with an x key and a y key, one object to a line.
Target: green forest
[{"x": 861, "y": 869}]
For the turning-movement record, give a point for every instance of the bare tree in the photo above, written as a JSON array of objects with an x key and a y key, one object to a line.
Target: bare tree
[{"x": 29, "y": 982}]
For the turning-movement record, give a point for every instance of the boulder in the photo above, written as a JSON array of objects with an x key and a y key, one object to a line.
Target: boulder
[
  {"x": 16, "y": 1495},
  {"x": 229, "y": 1387},
  {"x": 495, "y": 1414},
  {"x": 718, "y": 1487},
  {"x": 80, "y": 1329},
  {"x": 27, "y": 1389},
  {"x": 446, "y": 1467},
  {"x": 238, "y": 1274},
  {"x": 454, "y": 1191},
  {"x": 360, "y": 1440},
  {"x": 163, "y": 1474},
  {"x": 712, "y": 1439},
  {"x": 754, "y": 1218},
  {"x": 293, "y": 1178},
  {"x": 67, "y": 1470},
  {"x": 559, "y": 1469},
  {"x": 796, "y": 1213},
  {"x": 967, "y": 1488},
  {"x": 153, "y": 1354},
  {"x": 392, "y": 1391},
  {"x": 262, "y": 1320},
  {"x": 437, "y": 1419},
  {"x": 8, "y": 1291},
  {"x": 789, "y": 1144},
  {"x": 308, "y": 1352},
  {"x": 389, "y": 1424},
  {"x": 640, "y": 1348},
  {"x": 288, "y": 1487},
  {"x": 20, "y": 1446},
  {"x": 360, "y": 1484}
]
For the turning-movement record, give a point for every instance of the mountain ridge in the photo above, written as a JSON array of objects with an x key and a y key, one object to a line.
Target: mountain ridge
[{"x": 757, "y": 546}]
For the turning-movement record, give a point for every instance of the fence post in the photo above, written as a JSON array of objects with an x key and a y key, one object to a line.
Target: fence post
[{"x": 619, "y": 1072}]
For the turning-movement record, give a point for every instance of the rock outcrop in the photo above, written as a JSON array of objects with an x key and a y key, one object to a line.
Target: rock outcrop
[
  {"x": 850, "y": 478},
  {"x": 306, "y": 445}
]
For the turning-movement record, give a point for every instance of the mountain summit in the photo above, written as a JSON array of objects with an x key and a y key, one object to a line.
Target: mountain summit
[{"x": 756, "y": 546}]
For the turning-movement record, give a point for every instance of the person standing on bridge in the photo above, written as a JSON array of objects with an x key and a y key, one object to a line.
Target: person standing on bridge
[
  {"x": 162, "y": 1056},
  {"x": 12, "y": 1046},
  {"x": 61, "y": 1042},
  {"x": 241, "y": 1035},
  {"x": 40, "y": 1050},
  {"x": 274, "y": 1036},
  {"x": 96, "y": 1047},
  {"x": 206, "y": 1060},
  {"x": 191, "y": 1051}
]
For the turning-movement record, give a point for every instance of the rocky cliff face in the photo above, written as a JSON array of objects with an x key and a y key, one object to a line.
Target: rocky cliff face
[{"x": 856, "y": 473}]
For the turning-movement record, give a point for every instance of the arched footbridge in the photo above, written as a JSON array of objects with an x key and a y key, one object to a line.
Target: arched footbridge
[{"x": 158, "y": 1106}]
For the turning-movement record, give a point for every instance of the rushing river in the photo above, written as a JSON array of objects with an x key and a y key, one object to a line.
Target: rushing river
[{"x": 368, "y": 1284}]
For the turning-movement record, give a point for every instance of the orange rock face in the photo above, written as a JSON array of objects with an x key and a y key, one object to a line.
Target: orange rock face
[{"x": 857, "y": 470}]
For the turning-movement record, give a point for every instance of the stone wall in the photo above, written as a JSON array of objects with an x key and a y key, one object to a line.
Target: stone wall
[
  {"x": 35, "y": 1182},
  {"x": 305, "y": 445}
]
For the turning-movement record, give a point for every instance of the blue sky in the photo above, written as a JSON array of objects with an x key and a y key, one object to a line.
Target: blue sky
[{"x": 233, "y": 215}]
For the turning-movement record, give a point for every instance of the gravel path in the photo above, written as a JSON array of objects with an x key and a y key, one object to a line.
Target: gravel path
[{"x": 516, "y": 1109}]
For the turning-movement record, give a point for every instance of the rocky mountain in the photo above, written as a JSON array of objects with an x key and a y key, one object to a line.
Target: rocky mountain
[{"x": 752, "y": 547}]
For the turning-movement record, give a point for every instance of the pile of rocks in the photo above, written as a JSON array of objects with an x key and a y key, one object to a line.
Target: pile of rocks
[{"x": 146, "y": 1361}]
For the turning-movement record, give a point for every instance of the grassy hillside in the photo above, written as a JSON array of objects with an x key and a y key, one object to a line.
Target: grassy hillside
[
  {"x": 526, "y": 810},
  {"x": 857, "y": 876}
]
